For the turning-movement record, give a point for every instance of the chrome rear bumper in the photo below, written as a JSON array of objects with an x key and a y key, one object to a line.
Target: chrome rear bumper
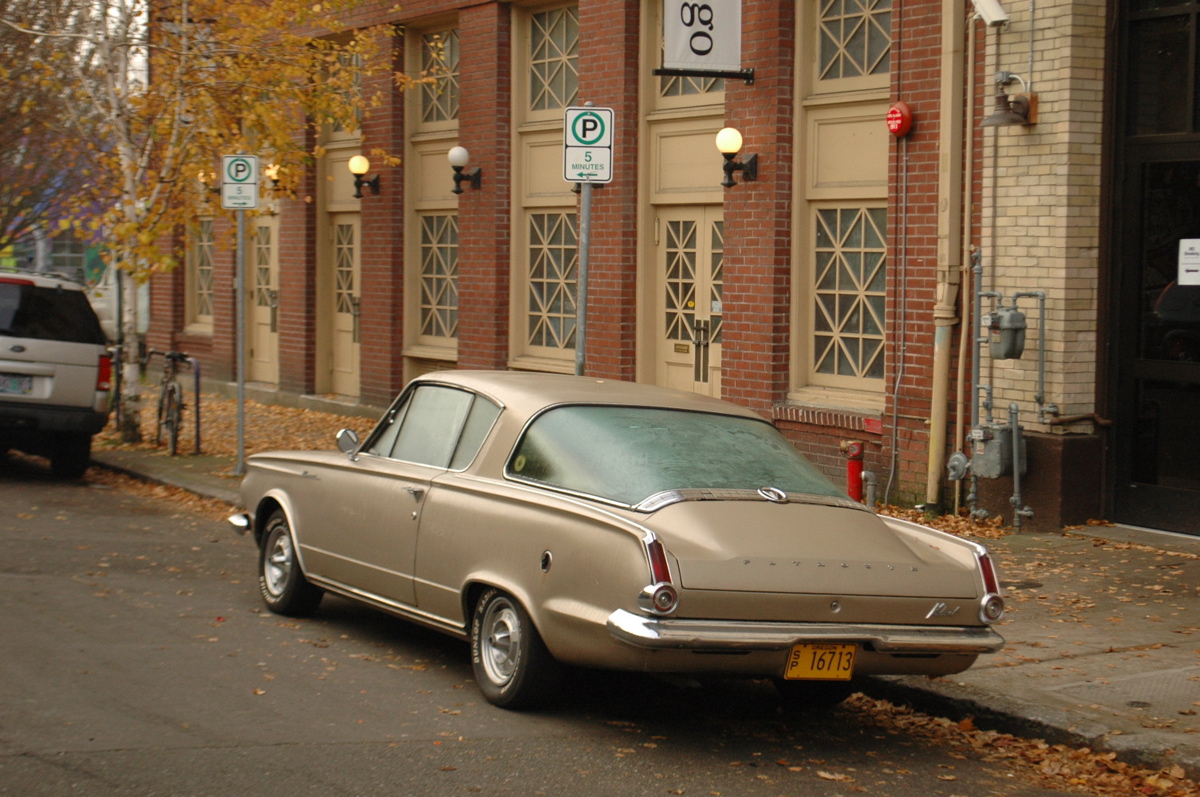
[{"x": 734, "y": 635}]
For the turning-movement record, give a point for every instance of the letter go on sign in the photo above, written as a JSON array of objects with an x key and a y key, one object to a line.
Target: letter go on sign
[{"x": 702, "y": 35}]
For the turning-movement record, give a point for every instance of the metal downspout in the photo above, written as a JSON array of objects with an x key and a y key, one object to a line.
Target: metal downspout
[
  {"x": 960, "y": 401},
  {"x": 949, "y": 245}
]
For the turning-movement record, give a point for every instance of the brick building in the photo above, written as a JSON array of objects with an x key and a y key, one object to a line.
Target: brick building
[{"x": 834, "y": 294}]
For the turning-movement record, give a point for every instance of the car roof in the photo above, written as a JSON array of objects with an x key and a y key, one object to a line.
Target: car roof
[
  {"x": 526, "y": 392},
  {"x": 41, "y": 279}
]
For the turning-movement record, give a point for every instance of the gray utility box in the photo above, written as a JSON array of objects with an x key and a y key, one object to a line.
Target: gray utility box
[{"x": 992, "y": 451}]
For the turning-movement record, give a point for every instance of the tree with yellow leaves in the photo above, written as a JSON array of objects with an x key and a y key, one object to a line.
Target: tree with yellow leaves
[{"x": 155, "y": 92}]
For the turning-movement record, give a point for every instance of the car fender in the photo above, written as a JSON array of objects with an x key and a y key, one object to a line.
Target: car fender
[{"x": 586, "y": 577}]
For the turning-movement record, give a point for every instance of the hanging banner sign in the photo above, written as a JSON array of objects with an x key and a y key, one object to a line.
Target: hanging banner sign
[{"x": 703, "y": 35}]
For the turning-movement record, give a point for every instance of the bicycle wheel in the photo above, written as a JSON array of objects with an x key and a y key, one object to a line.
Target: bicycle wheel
[
  {"x": 162, "y": 414},
  {"x": 173, "y": 416}
]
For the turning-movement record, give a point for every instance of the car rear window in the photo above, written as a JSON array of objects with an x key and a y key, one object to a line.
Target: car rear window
[
  {"x": 30, "y": 311},
  {"x": 626, "y": 454}
]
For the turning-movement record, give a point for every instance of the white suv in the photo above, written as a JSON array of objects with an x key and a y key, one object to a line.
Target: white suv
[{"x": 55, "y": 370}]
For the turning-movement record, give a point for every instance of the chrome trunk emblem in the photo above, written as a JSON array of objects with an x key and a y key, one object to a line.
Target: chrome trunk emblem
[{"x": 773, "y": 494}]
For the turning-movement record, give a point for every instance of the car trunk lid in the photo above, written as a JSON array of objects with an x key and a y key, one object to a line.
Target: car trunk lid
[{"x": 760, "y": 546}]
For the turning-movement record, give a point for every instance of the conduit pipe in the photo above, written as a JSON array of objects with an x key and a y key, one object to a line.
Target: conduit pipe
[
  {"x": 949, "y": 238},
  {"x": 967, "y": 251}
]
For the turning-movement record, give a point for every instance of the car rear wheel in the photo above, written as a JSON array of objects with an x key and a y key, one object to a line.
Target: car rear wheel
[
  {"x": 809, "y": 695},
  {"x": 512, "y": 665},
  {"x": 281, "y": 583},
  {"x": 71, "y": 456}
]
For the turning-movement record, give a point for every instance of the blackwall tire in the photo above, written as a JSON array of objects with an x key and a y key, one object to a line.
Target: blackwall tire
[
  {"x": 71, "y": 456},
  {"x": 799, "y": 696},
  {"x": 512, "y": 665},
  {"x": 281, "y": 582}
]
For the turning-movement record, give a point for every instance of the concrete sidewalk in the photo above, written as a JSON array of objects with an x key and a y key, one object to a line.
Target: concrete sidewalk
[{"x": 1103, "y": 632}]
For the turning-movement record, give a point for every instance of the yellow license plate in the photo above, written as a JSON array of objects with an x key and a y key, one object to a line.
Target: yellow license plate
[{"x": 821, "y": 662}]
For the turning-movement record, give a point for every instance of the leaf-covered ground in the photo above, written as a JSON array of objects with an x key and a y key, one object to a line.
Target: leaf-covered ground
[{"x": 1055, "y": 766}]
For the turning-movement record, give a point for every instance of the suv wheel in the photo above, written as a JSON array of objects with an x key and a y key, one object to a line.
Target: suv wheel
[{"x": 71, "y": 456}]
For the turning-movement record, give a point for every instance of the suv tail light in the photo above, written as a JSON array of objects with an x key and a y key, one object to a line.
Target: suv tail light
[{"x": 104, "y": 374}]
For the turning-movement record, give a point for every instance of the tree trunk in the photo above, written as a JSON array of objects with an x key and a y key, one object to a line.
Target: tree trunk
[{"x": 129, "y": 422}]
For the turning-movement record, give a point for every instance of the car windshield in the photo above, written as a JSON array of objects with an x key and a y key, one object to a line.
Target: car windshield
[
  {"x": 626, "y": 454},
  {"x": 29, "y": 311}
]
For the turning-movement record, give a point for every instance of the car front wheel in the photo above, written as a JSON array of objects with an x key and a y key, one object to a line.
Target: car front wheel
[
  {"x": 282, "y": 584},
  {"x": 512, "y": 665}
]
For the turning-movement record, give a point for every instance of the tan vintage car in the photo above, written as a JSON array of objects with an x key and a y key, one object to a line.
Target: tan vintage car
[{"x": 559, "y": 520}]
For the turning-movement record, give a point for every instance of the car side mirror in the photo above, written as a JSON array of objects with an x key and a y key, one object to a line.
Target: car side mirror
[{"x": 347, "y": 441}]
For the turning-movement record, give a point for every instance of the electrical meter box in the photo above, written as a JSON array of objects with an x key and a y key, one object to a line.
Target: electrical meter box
[
  {"x": 992, "y": 451},
  {"x": 1006, "y": 327}
]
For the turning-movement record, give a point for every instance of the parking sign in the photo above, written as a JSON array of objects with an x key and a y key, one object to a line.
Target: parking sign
[
  {"x": 239, "y": 182},
  {"x": 587, "y": 144}
]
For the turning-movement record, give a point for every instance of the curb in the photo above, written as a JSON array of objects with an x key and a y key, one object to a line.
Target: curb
[{"x": 1018, "y": 717}]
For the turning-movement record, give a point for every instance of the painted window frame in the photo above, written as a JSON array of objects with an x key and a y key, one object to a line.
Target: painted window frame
[
  {"x": 199, "y": 293},
  {"x": 539, "y": 192},
  {"x": 843, "y": 100}
]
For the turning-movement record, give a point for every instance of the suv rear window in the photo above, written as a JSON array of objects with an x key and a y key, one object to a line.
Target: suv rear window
[{"x": 29, "y": 311}]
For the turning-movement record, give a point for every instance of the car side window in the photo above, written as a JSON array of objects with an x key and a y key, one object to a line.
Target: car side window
[
  {"x": 435, "y": 425},
  {"x": 431, "y": 426},
  {"x": 479, "y": 422}
]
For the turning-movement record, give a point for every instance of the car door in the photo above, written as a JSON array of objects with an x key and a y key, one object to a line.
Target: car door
[{"x": 364, "y": 517}]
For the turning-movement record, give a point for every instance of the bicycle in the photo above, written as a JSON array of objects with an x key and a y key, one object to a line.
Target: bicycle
[{"x": 170, "y": 399}]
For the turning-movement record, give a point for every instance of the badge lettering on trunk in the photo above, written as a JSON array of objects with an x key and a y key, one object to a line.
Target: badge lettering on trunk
[{"x": 941, "y": 609}]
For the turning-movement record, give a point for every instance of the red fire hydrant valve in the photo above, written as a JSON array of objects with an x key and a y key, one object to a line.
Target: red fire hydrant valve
[{"x": 853, "y": 449}]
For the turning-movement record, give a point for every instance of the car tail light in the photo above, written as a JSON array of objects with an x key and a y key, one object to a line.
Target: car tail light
[
  {"x": 992, "y": 607},
  {"x": 658, "y": 562},
  {"x": 15, "y": 281},
  {"x": 659, "y": 596},
  {"x": 104, "y": 374}
]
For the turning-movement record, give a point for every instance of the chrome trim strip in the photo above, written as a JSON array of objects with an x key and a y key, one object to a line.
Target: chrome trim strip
[
  {"x": 726, "y": 635},
  {"x": 400, "y": 610}
]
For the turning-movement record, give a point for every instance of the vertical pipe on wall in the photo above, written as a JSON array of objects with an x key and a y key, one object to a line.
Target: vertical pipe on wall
[
  {"x": 966, "y": 330},
  {"x": 949, "y": 232}
]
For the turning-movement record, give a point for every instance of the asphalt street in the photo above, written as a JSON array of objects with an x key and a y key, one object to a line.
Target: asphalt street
[{"x": 139, "y": 661}]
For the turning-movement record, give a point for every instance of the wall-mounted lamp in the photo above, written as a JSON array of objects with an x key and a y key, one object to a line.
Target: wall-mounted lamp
[
  {"x": 729, "y": 142},
  {"x": 1017, "y": 109},
  {"x": 208, "y": 182},
  {"x": 459, "y": 158},
  {"x": 271, "y": 172},
  {"x": 358, "y": 167}
]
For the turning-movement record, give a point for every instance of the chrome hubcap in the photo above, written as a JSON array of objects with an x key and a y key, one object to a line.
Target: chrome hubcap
[
  {"x": 278, "y": 564},
  {"x": 501, "y": 641}
]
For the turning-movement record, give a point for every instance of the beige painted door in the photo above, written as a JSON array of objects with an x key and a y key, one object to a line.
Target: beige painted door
[
  {"x": 347, "y": 276},
  {"x": 689, "y": 260},
  {"x": 263, "y": 290}
]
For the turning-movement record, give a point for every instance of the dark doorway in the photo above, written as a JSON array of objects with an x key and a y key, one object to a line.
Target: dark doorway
[{"x": 1155, "y": 307}]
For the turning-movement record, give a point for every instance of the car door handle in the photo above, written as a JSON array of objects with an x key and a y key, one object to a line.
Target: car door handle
[{"x": 416, "y": 492}]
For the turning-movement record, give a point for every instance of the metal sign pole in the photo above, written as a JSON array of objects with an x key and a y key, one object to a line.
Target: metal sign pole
[
  {"x": 581, "y": 277},
  {"x": 240, "y": 293}
]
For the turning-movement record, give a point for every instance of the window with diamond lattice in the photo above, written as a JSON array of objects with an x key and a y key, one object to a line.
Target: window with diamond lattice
[
  {"x": 553, "y": 59},
  {"x": 685, "y": 86},
  {"x": 553, "y": 256},
  {"x": 201, "y": 272},
  {"x": 682, "y": 281},
  {"x": 849, "y": 292},
  {"x": 855, "y": 38},
  {"x": 262, "y": 266},
  {"x": 343, "y": 258},
  {"x": 439, "y": 58},
  {"x": 439, "y": 275}
]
